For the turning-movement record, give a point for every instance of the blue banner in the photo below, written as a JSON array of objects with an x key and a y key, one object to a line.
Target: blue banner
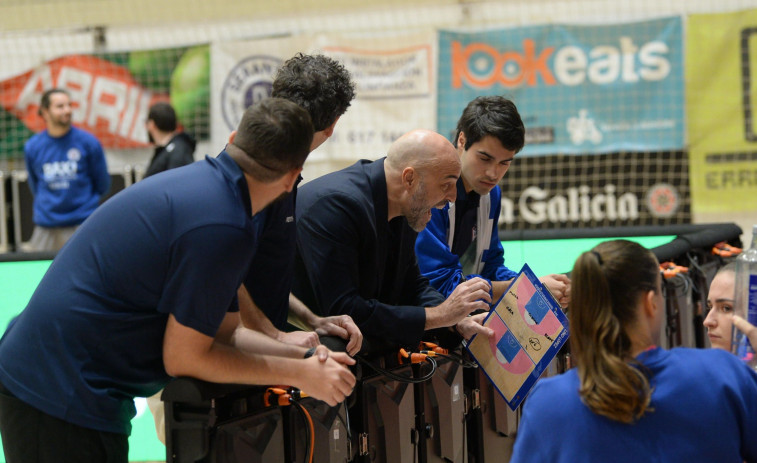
[{"x": 579, "y": 89}]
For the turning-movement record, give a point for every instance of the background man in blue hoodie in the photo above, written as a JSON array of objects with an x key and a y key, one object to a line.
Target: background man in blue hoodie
[{"x": 67, "y": 174}]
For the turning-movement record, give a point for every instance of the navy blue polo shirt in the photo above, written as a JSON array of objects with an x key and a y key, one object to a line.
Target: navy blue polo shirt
[{"x": 90, "y": 339}]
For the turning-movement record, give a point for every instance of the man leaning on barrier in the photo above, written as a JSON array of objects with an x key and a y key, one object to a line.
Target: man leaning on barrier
[
  {"x": 356, "y": 231},
  {"x": 146, "y": 290}
]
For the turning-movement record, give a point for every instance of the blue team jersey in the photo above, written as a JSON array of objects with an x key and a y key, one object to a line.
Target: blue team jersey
[
  {"x": 67, "y": 176},
  {"x": 441, "y": 266},
  {"x": 704, "y": 405}
]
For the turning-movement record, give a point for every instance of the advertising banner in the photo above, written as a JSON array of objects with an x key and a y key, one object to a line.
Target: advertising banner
[
  {"x": 111, "y": 94},
  {"x": 580, "y": 89},
  {"x": 721, "y": 97},
  {"x": 394, "y": 76},
  {"x": 596, "y": 190}
]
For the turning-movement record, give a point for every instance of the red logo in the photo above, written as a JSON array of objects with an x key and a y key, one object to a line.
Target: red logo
[{"x": 107, "y": 101}]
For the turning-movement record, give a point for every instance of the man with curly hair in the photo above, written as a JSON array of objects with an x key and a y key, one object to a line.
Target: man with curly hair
[{"x": 324, "y": 88}]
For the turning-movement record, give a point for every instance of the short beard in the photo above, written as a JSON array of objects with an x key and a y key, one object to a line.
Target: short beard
[
  {"x": 417, "y": 214},
  {"x": 63, "y": 124}
]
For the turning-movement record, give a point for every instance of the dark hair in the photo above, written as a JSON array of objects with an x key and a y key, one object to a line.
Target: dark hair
[
  {"x": 163, "y": 115},
  {"x": 275, "y": 134},
  {"x": 606, "y": 286},
  {"x": 321, "y": 85},
  {"x": 44, "y": 102},
  {"x": 492, "y": 115}
]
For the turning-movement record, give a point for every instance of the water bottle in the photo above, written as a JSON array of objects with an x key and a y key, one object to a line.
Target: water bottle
[{"x": 745, "y": 300}]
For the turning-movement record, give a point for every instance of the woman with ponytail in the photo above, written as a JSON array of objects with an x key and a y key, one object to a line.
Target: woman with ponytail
[{"x": 628, "y": 400}]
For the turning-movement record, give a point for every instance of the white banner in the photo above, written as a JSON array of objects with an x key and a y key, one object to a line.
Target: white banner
[{"x": 395, "y": 78}]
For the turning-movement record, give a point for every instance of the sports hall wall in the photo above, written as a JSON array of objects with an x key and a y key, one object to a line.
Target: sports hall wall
[{"x": 638, "y": 112}]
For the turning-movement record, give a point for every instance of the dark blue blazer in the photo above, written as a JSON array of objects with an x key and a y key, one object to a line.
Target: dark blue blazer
[{"x": 352, "y": 260}]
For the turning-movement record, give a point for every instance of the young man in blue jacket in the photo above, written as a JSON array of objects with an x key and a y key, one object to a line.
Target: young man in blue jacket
[
  {"x": 462, "y": 241},
  {"x": 67, "y": 174}
]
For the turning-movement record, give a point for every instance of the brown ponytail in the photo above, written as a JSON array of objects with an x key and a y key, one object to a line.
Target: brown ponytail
[{"x": 607, "y": 284}]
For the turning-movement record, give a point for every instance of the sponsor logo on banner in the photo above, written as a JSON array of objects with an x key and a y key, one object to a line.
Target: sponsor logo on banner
[
  {"x": 106, "y": 99},
  {"x": 480, "y": 65},
  {"x": 663, "y": 200},
  {"x": 386, "y": 74},
  {"x": 579, "y": 89},
  {"x": 578, "y": 204},
  {"x": 594, "y": 191},
  {"x": 731, "y": 171},
  {"x": 395, "y": 80},
  {"x": 250, "y": 81}
]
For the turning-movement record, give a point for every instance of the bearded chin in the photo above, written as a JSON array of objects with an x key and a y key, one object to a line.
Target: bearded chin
[
  {"x": 63, "y": 122},
  {"x": 415, "y": 219},
  {"x": 417, "y": 227}
]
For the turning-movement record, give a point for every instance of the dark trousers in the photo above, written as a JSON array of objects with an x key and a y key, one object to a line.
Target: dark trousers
[{"x": 31, "y": 436}]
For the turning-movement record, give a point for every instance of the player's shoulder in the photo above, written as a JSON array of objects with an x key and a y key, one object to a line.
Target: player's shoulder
[
  {"x": 554, "y": 384},
  {"x": 345, "y": 185},
  {"x": 690, "y": 354},
  {"x": 35, "y": 140},
  {"x": 554, "y": 392}
]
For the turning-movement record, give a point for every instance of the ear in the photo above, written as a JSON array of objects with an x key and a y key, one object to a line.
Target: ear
[
  {"x": 461, "y": 141},
  {"x": 329, "y": 131},
  {"x": 291, "y": 177},
  {"x": 409, "y": 178},
  {"x": 231, "y": 137},
  {"x": 650, "y": 304}
]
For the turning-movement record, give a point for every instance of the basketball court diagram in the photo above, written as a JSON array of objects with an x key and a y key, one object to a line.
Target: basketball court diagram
[{"x": 530, "y": 328}]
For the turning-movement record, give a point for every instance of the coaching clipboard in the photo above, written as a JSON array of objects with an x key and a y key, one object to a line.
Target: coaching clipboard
[{"x": 529, "y": 329}]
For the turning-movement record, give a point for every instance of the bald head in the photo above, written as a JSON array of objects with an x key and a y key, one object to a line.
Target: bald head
[
  {"x": 422, "y": 168},
  {"x": 422, "y": 150}
]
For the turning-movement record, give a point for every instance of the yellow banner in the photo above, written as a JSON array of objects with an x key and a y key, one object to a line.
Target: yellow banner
[{"x": 721, "y": 99}]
